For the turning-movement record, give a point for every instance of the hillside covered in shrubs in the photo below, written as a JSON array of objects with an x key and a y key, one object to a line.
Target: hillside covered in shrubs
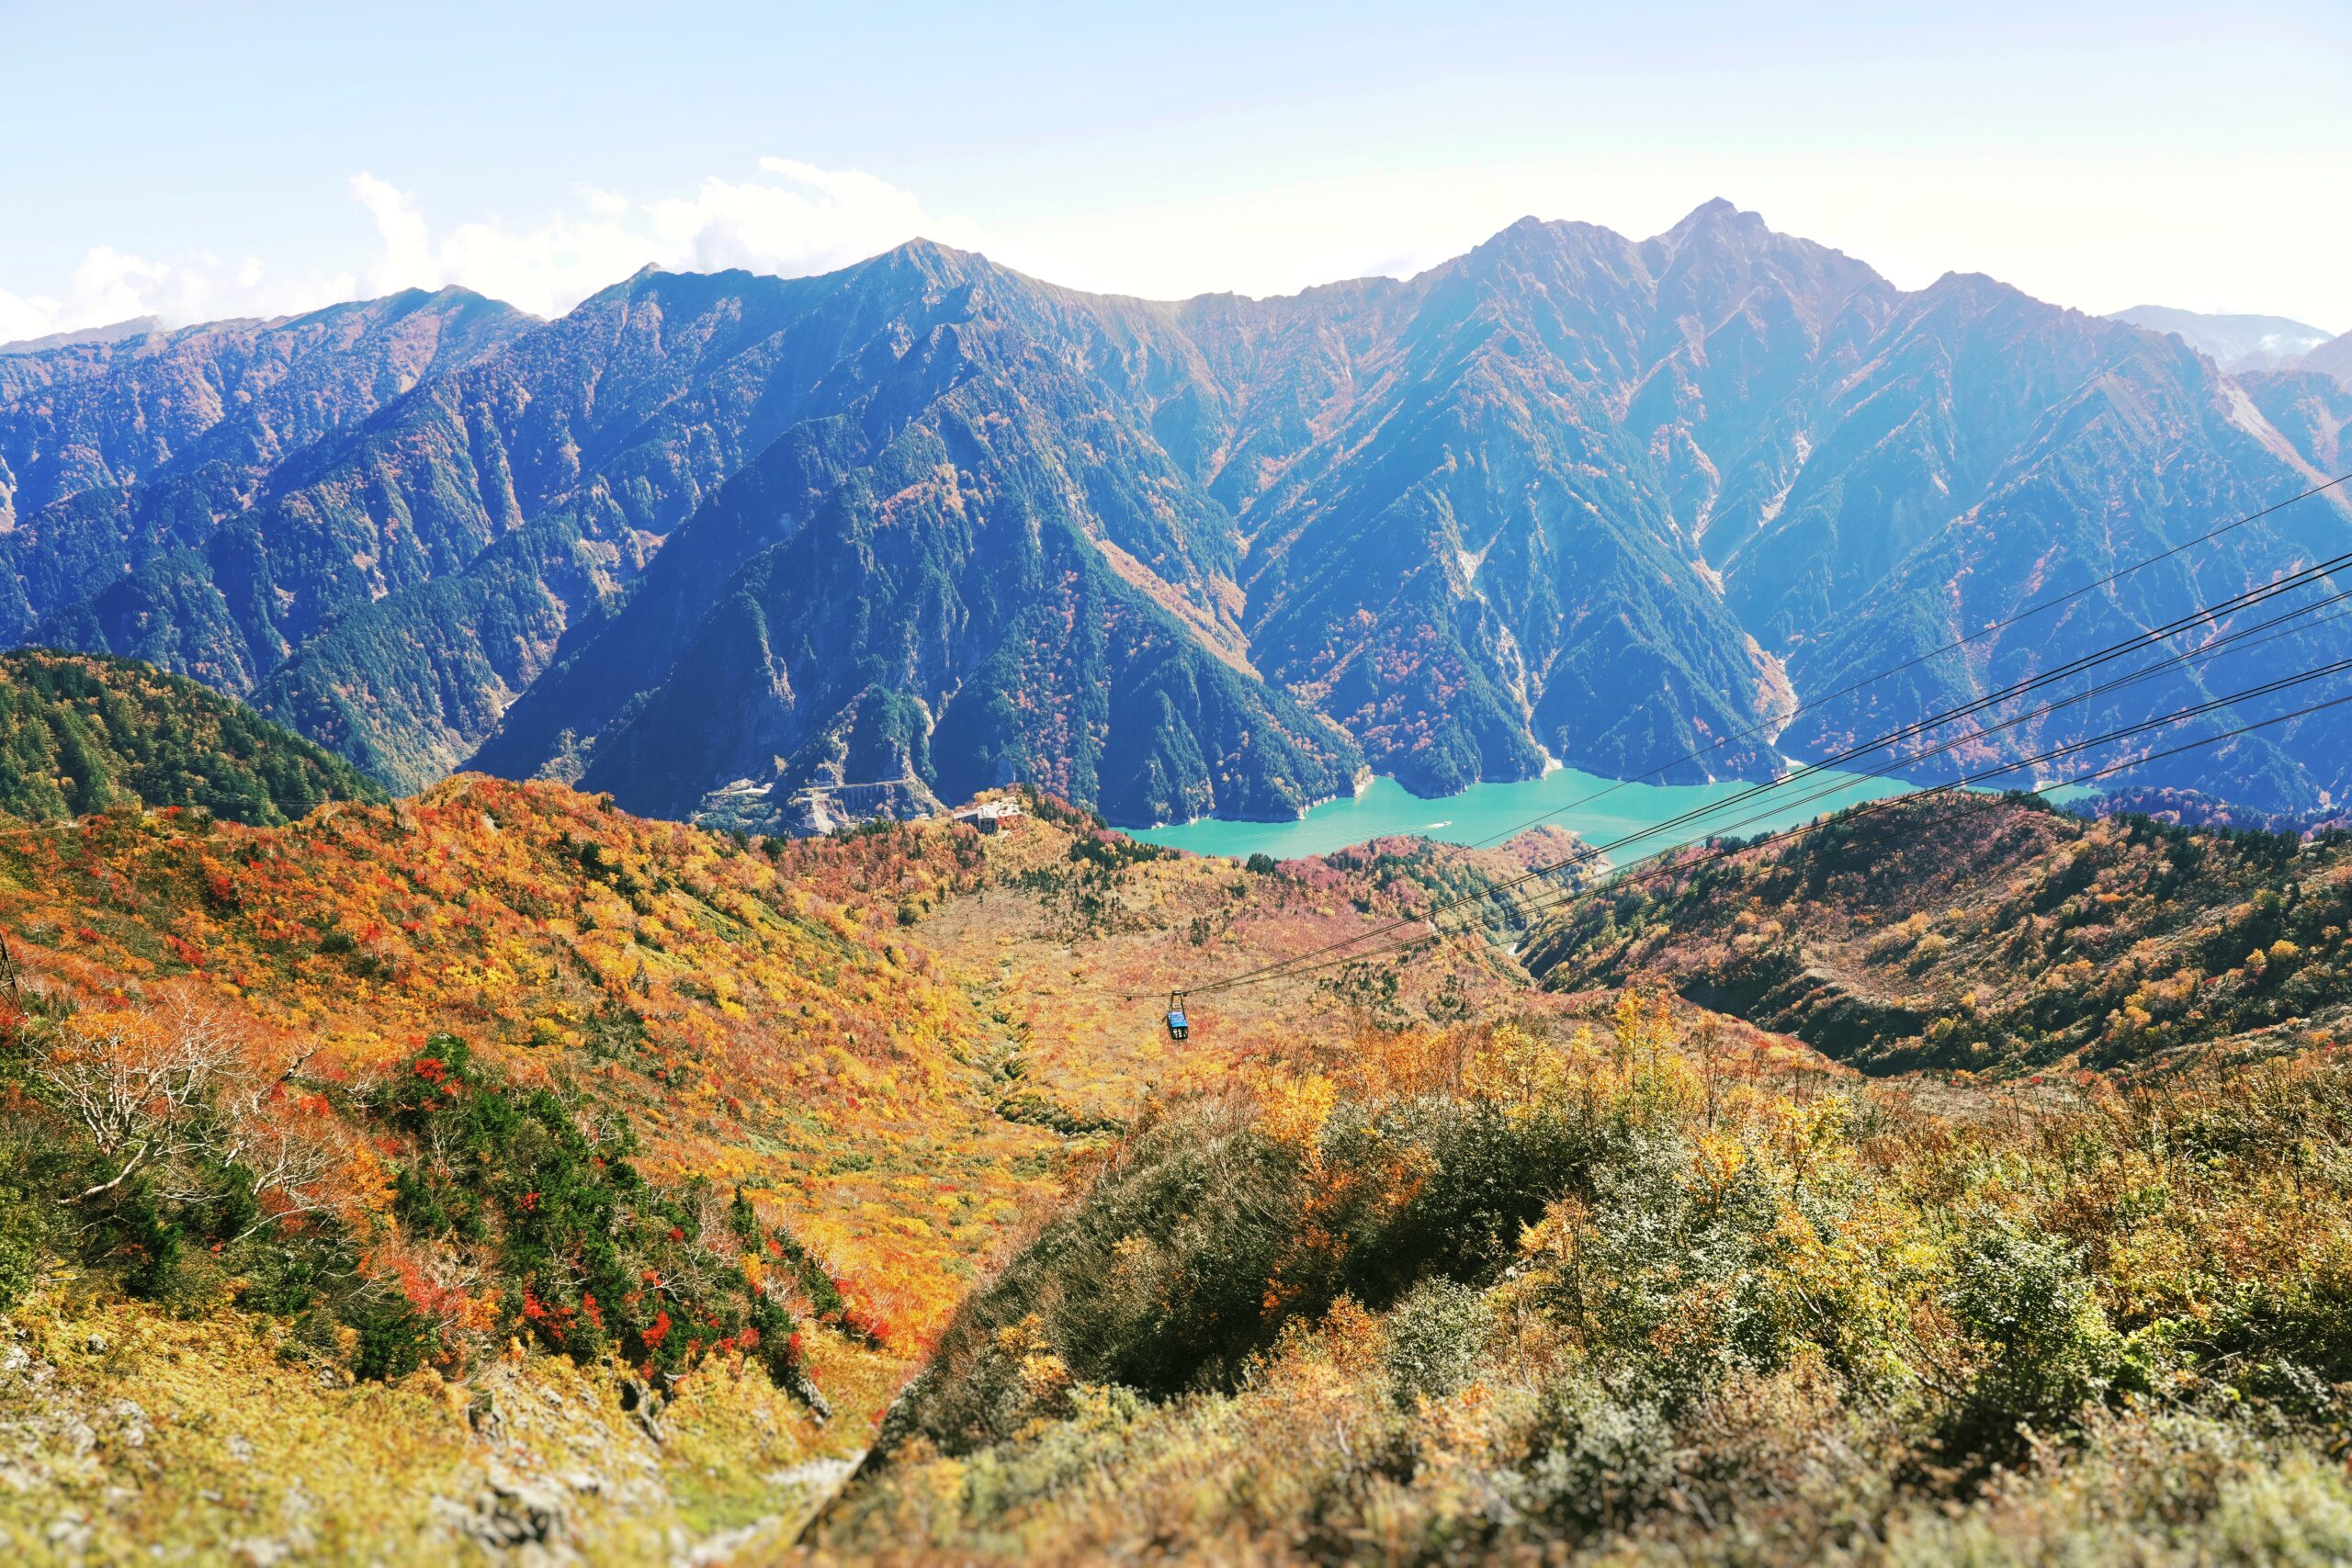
[
  {"x": 562, "y": 1132},
  {"x": 1619, "y": 1289},
  {"x": 468, "y": 1089},
  {"x": 1987, "y": 936},
  {"x": 638, "y": 1193}
]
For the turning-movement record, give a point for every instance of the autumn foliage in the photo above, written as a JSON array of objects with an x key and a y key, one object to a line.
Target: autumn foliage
[{"x": 500, "y": 1062}]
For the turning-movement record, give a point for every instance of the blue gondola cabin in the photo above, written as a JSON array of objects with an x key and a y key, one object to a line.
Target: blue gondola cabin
[{"x": 1178, "y": 1028}]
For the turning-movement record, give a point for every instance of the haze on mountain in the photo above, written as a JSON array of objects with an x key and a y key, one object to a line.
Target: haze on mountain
[
  {"x": 2331, "y": 358},
  {"x": 1570, "y": 496},
  {"x": 2233, "y": 342},
  {"x": 112, "y": 331}
]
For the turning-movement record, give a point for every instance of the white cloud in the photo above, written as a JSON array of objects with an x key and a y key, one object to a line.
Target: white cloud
[
  {"x": 110, "y": 285},
  {"x": 23, "y": 318},
  {"x": 791, "y": 218},
  {"x": 407, "y": 259}
]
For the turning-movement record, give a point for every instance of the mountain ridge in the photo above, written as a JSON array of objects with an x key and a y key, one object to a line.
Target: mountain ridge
[{"x": 1568, "y": 495}]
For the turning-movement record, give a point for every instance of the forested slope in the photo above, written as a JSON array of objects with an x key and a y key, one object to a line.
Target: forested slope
[{"x": 80, "y": 733}]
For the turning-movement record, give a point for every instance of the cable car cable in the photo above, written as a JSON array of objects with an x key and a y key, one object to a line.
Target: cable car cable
[
  {"x": 1958, "y": 643},
  {"x": 1871, "y": 807},
  {"x": 2157, "y": 635},
  {"x": 1867, "y": 809}
]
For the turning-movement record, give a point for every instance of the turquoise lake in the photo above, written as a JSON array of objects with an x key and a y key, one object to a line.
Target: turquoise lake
[{"x": 1602, "y": 811}]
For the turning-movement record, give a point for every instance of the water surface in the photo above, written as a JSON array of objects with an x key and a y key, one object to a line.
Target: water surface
[{"x": 1602, "y": 811}]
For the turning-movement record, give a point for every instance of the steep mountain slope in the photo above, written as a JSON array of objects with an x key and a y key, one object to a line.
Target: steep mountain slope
[
  {"x": 1475, "y": 564},
  {"x": 987, "y": 534},
  {"x": 116, "y": 449},
  {"x": 2136, "y": 450},
  {"x": 428, "y": 567},
  {"x": 80, "y": 734},
  {"x": 612, "y": 420},
  {"x": 1614, "y": 502},
  {"x": 2311, "y": 412},
  {"x": 1751, "y": 437},
  {"x": 113, "y": 409},
  {"x": 2233, "y": 342}
]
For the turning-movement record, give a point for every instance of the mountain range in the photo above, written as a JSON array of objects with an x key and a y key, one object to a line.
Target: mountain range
[{"x": 1571, "y": 496}]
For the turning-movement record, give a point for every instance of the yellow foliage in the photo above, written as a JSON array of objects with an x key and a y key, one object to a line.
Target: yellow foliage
[
  {"x": 1514, "y": 1069},
  {"x": 1295, "y": 1109}
]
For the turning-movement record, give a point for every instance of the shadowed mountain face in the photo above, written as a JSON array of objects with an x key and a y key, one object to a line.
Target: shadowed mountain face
[
  {"x": 1615, "y": 501},
  {"x": 979, "y": 523},
  {"x": 125, "y": 460}
]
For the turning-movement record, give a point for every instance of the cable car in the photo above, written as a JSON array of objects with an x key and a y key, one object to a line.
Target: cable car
[{"x": 1178, "y": 1026}]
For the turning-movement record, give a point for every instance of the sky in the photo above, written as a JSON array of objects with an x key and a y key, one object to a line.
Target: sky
[{"x": 199, "y": 161}]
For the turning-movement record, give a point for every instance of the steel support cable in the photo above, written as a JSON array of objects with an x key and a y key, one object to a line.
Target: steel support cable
[
  {"x": 2065, "y": 671},
  {"x": 1988, "y": 630},
  {"x": 1636, "y": 872},
  {"x": 1294, "y": 967}
]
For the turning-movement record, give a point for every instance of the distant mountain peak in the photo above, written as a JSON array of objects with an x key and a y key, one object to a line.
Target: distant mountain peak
[
  {"x": 2332, "y": 357},
  {"x": 114, "y": 332},
  {"x": 1978, "y": 290},
  {"x": 2233, "y": 342},
  {"x": 1717, "y": 216},
  {"x": 932, "y": 260},
  {"x": 1715, "y": 207},
  {"x": 925, "y": 249}
]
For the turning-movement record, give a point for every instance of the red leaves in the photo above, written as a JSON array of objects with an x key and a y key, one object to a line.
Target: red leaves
[
  {"x": 864, "y": 1326},
  {"x": 761, "y": 979}
]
